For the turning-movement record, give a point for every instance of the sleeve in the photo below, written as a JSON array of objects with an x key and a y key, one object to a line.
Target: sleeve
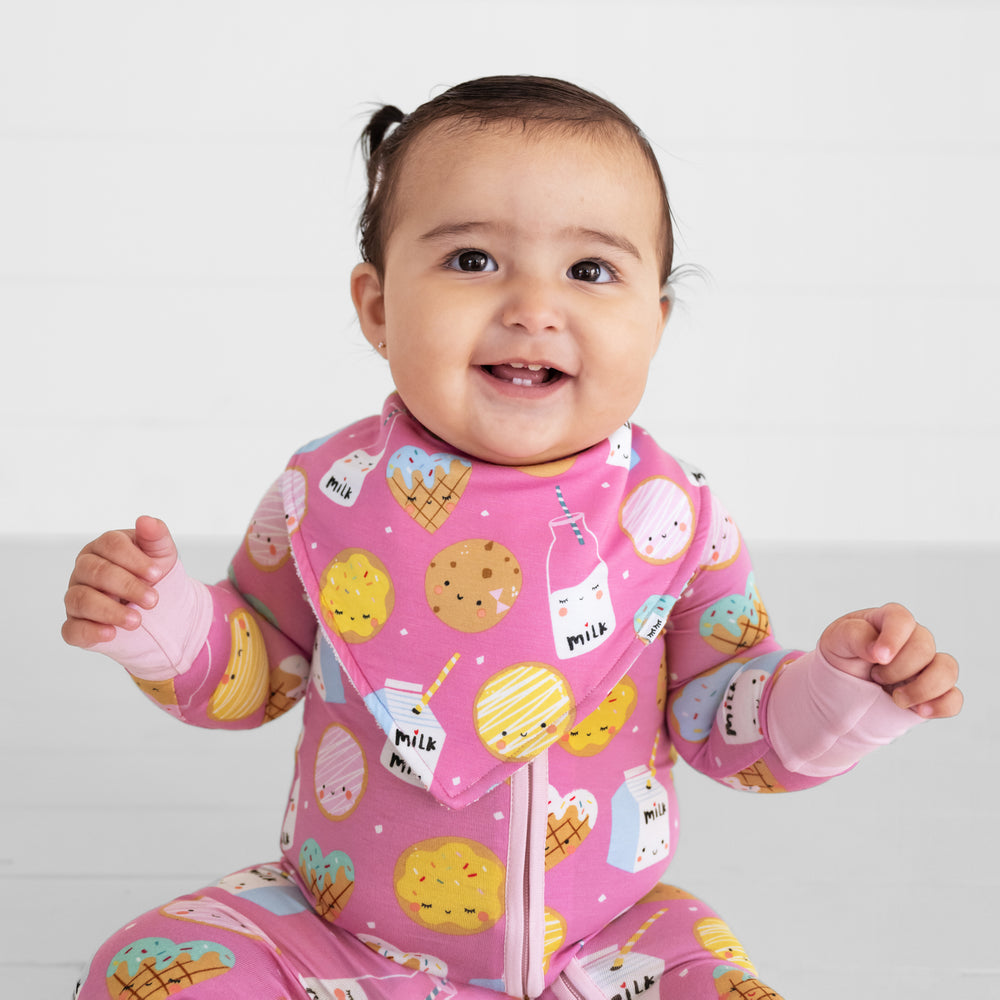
[
  {"x": 233, "y": 655},
  {"x": 747, "y": 712}
]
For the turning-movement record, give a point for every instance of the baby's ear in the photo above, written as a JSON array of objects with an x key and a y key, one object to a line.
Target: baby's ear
[
  {"x": 369, "y": 303},
  {"x": 666, "y": 304}
]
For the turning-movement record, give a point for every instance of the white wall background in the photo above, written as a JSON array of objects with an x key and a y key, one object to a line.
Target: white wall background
[{"x": 178, "y": 186}]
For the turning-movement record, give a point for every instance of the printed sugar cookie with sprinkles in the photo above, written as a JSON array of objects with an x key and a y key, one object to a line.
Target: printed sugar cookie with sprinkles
[
  {"x": 471, "y": 585},
  {"x": 356, "y": 595},
  {"x": 591, "y": 734},
  {"x": 451, "y": 885}
]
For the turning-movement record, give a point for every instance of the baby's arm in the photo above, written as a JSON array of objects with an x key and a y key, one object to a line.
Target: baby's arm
[
  {"x": 874, "y": 674},
  {"x": 204, "y": 654},
  {"x": 775, "y": 719}
]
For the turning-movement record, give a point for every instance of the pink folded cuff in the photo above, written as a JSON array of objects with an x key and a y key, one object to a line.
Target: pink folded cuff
[
  {"x": 171, "y": 634},
  {"x": 822, "y": 721}
]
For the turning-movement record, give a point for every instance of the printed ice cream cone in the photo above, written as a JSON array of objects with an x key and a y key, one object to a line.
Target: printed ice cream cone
[
  {"x": 570, "y": 820},
  {"x": 427, "y": 487},
  {"x": 758, "y": 777},
  {"x": 162, "y": 692},
  {"x": 735, "y": 983},
  {"x": 286, "y": 685},
  {"x": 329, "y": 879},
  {"x": 157, "y": 968},
  {"x": 737, "y": 622}
]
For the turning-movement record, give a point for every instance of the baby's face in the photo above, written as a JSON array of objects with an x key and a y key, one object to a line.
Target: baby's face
[{"x": 512, "y": 251}]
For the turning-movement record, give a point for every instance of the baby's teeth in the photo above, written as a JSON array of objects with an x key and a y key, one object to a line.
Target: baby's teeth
[
  {"x": 534, "y": 368},
  {"x": 531, "y": 368}
]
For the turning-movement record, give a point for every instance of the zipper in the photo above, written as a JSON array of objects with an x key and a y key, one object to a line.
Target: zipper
[
  {"x": 564, "y": 988},
  {"x": 523, "y": 947}
]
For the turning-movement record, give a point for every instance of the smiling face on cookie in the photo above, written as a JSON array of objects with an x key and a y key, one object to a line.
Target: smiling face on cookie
[
  {"x": 522, "y": 710},
  {"x": 450, "y": 885},
  {"x": 356, "y": 595},
  {"x": 473, "y": 584},
  {"x": 591, "y": 734}
]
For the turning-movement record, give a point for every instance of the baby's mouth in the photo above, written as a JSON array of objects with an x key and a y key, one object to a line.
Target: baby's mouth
[{"x": 524, "y": 375}]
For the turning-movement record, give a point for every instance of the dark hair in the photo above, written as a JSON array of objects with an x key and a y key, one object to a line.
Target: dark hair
[{"x": 534, "y": 101}]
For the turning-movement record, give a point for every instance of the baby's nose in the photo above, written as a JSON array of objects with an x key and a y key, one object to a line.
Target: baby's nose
[{"x": 534, "y": 304}]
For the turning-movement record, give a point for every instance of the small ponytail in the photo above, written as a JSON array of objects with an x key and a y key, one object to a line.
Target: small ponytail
[{"x": 378, "y": 125}]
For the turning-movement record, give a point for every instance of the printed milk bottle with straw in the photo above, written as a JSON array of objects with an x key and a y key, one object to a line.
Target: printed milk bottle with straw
[{"x": 579, "y": 600}]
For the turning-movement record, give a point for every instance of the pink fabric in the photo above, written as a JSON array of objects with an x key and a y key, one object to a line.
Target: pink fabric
[
  {"x": 494, "y": 651},
  {"x": 171, "y": 634},
  {"x": 822, "y": 721}
]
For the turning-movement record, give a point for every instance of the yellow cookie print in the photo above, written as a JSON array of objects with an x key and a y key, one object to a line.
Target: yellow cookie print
[
  {"x": 356, "y": 595},
  {"x": 473, "y": 584},
  {"x": 522, "y": 710},
  {"x": 555, "y": 935},
  {"x": 715, "y": 936},
  {"x": 595, "y": 731},
  {"x": 450, "y": 885},
  {"x": 548, "y": 469},
  {"x": 244, "y": 688}
]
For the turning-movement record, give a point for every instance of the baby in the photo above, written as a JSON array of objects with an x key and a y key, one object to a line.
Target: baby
[{"x": 505, "y": 608}]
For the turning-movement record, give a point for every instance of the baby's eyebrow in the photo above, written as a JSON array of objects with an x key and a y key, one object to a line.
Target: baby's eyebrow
[
  {"x": 454, "y": 230},
  {"x": 451, "y": 230},
  {"x": 615, "y": 240}
]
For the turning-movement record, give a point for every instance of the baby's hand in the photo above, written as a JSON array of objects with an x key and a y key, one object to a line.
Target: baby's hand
[
  {"x": 887, "y": 646},
  {"x": 114, "y": 571}
]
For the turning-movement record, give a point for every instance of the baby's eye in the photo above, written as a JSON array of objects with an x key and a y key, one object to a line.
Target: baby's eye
[
  {"x": 594, "y": 271},
  {"x": 473, "y": 261}
]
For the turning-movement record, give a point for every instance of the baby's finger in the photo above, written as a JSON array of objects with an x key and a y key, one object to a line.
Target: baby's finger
[
  {"x": 120, "y": 583},
  {"x": 91, "y": 605},
  {"x": 895, "y": 626},
  {"x": 154, "y": 538},
  {"x": 933, "y": 682},
  {"x": 916, "y": 653},
  {"x": 945, "y": 707},
  {"x": 120, "y": 548},
  {"x": 84, "y": 634}
]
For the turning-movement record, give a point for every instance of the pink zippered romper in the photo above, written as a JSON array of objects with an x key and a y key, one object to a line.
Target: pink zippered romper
[{"x": 499, "y": 668}]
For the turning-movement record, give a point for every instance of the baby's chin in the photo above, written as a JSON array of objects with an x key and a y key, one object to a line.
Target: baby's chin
[{"x": 522, "y": 442}]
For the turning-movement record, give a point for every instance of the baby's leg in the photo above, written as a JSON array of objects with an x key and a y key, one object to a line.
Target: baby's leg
[
  {"x": 251, "y": 935},
  {"x": 670, "y": 946}
]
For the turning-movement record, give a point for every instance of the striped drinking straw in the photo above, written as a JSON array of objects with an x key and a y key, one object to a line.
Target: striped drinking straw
[
  {"x": 652, "y": 761},
  {"x": 438, "y": 681},
  {"x": 565, "y": 507},
  {"x": 634, "y": 939}
]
